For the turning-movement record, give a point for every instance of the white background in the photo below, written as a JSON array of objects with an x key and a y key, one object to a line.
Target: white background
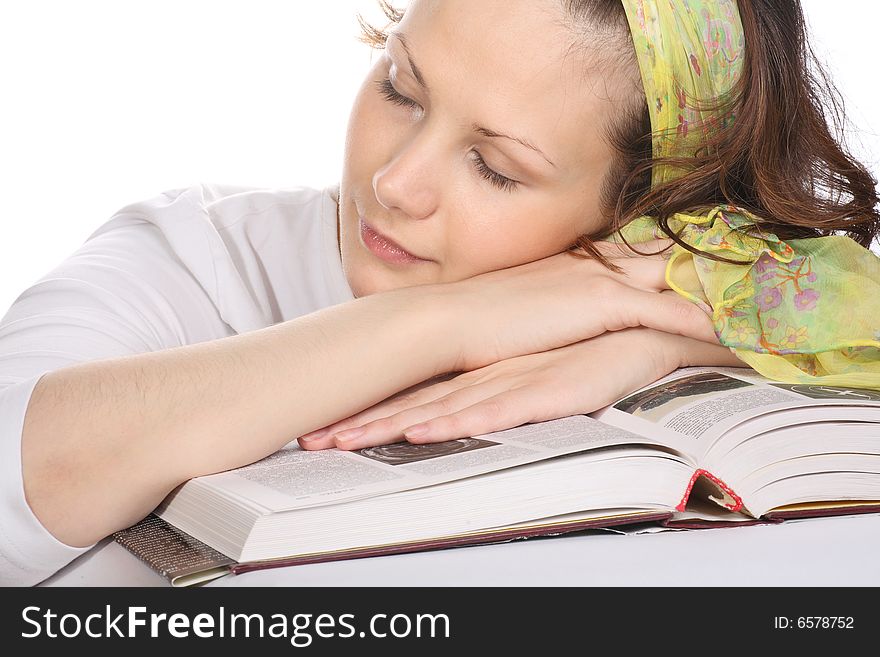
[{"x": 108, "y": 102}]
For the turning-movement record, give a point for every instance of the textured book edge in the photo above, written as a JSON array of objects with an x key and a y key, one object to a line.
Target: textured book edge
[{"x": 177, "y": 556}]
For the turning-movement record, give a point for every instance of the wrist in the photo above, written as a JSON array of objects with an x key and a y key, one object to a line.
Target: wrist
[{"x": 436, "y": 317}]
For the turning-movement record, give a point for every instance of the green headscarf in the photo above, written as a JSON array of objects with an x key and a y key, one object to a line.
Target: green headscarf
[{"x": 803, "y": 311}]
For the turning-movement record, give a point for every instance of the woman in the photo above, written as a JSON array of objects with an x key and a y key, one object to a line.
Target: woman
[{"x": 204, "y": 329}]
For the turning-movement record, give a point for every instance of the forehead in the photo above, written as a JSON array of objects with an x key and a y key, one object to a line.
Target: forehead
[{"x": 510, "y": 65}]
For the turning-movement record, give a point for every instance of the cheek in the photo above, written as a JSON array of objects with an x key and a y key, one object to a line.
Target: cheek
[
  {"x": 371, "y": 129},
  {"x": 507, "y": 239}
]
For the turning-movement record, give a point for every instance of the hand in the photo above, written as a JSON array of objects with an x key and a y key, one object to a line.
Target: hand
[
  {"x": 571, "y": 380},
  {"x": 561, "y": 300}
]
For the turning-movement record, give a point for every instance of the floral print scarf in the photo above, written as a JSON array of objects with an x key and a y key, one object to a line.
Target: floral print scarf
[{"x": 794, "y": 311}]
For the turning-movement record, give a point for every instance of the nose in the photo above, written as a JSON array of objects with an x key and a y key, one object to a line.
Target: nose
[{"x": 410, "y": 180}]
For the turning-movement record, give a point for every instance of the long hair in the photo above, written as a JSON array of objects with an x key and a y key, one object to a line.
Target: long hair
[{"x": 778, "y": 160}]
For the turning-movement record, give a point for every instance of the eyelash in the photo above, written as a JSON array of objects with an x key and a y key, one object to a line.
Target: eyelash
[{"x": 501, "y": 182}]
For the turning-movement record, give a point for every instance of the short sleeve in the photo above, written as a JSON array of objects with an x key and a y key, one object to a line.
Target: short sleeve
[{"x": 123, "y": 292}]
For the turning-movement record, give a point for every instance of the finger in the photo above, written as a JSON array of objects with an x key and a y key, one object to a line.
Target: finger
[
  {"x": 647, "y": 274},
  {"x": 497, "y": 413},
  {"x": 328, "y": 437},
  {"x": 702, "y": 305},
  {"x": 665, "y": 312},
  {"x": 416, "y": 395},
  {"x": 701, "y": 353},
  {"x": 352, "y": 445},
  {"x": 391, "y": 428},
  {"x": 316, "y": 444}
]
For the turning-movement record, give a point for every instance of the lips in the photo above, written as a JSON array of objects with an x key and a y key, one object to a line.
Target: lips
[{"x": 385, "y": 247}]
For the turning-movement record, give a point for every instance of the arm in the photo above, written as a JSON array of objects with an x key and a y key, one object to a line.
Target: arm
[
  {"x": 104, "y": 441},
  {"x": 571, "y": 380}
]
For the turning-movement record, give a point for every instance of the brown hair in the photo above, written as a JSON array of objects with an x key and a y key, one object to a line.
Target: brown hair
[{"x": 777, "y": 160}]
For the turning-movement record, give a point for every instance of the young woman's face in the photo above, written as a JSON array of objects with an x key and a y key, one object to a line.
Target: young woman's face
[{"x": 425, "y": 165}]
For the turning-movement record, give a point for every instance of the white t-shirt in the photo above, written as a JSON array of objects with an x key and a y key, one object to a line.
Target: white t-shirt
[{"x": 192, "y": 264}]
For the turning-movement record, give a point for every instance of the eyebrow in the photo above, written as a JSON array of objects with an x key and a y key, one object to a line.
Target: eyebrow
[{"x": 486, "y": 132}]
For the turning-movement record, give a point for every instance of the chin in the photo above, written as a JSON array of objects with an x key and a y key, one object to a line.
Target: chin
[
  {"x": 359, "y": 290},
  {"x": 366, "y": 275},
  {"x": 363, "y": 281},
  {"x": 370, "y": 282}
]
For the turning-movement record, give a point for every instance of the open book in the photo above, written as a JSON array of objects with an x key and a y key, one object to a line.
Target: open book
[{"x": 702, "y": 447}]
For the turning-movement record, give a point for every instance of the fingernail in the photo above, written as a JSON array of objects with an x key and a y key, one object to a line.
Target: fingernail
[
  {"x": 314, "y": 435},
  {"x": 416, "y": 431},
  {"x": 350, "y": 434}
]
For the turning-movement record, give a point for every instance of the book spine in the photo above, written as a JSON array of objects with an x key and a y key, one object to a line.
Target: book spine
[{"x": 729, "y": 500}]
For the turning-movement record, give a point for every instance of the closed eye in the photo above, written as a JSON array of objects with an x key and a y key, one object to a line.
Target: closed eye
[{"x": 501, "y": 182}]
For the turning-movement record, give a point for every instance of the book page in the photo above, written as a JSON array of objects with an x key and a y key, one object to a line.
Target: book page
[
  {"x": 293, "y": 478},
  {"x": 693, "y": 408}
]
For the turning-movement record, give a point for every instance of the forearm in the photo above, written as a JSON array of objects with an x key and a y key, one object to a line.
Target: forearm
[{"x": 104, "y": 442}]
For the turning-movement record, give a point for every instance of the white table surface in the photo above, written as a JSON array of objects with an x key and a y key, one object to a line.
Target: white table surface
[{"x": 839, "y": 551}]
